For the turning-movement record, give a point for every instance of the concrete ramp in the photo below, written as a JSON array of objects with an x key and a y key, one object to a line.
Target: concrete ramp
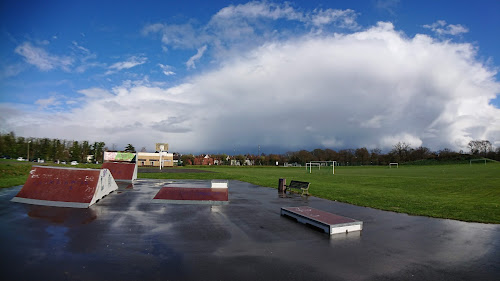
[
  {"x": 65, "y": 187},
  {"x": 122, "y": 171}
]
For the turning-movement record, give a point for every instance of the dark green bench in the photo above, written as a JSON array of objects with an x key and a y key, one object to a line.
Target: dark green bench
[{"x": 298, "y": 185}]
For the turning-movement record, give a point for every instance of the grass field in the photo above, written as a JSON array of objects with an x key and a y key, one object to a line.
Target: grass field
[
  {"x": 14, "y": 172},
  {"x": 461, "y": 192}
]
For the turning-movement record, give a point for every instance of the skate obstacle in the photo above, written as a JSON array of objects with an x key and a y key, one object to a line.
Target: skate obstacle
[
  {"x": 122, "y": 171},
  {"x": 65, "y": 187},
  {"x": 217, "y": 194},
  {"x": 218, "y": 183},
  {"x": 122, "y": 164},
  {"x": 328, "y": 222}
]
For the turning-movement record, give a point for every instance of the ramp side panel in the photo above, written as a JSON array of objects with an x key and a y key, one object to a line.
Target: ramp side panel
[
  {"x": 105, "y": 186},
  {"x": 62, "y": 185},
  {"x": 122, "y": 171}
]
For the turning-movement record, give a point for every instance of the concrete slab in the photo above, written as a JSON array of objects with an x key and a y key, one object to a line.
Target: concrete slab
[
  {"x": 126, "y": 237},
  {"x": 185, "y": 195},
  {"x": 328, "y": 222}
]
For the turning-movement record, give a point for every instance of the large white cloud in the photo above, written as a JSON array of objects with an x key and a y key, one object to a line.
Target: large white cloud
[{"x": 370, "y": 88}]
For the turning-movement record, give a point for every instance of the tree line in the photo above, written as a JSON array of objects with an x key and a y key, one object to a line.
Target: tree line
[
  {"x": 64, "y": 150},
  {"x": 400, "y": 153},
  {"x": 49, "y": 149}
]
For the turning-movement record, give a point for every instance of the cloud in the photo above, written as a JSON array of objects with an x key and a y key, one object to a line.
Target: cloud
[
  {"x": 172, "y": 125},
  {"x": 85, "y": 57},
  {"x": 166, "y": 69},
  {"x": 129, "y": 63},
  {"x": 48, "y": 102},
  {"x": 342, "y": 18},
  {"x": 41, "y": 59},
  {"x": 190, "y": 63},
  {"x": 391, "y": 140},
  {"x": 258, "y": 9},
  {"x": 80, "y": 48},
  {"x": 183, "y": 36},
  {"x": 11, "y": 70},
  {"x": 253, "y": 11},
  {"x": 387, "y": 5},
  {"x": 244, "y": 26},
  {"x": 374, "y": 88},
  {"x": 95, "y": 93},
  {"x": 440, "y": 27}
]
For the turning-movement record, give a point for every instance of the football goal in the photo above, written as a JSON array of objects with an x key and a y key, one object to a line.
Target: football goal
[
  {"x": 393, "y": 164},
  {"x": 321, "y": 165}
]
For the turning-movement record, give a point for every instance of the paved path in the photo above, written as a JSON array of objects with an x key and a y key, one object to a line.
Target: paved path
[{"x": 126, "y": 237}]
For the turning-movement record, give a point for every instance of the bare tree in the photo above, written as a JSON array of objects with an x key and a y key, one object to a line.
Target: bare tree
[
  {"x": 362, "y": 155},
  {"x": 480, "y": 147},
  {"x": 375, "y": 156},
  {"x": 401, "y": 150},
  {"x": 420, "y": 153}
]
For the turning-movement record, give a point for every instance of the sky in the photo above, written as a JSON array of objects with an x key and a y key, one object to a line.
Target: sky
[{"x": 243, "y": 77}]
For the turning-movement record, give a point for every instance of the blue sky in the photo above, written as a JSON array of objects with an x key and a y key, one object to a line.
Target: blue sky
[{"x": 226, "y": 76}]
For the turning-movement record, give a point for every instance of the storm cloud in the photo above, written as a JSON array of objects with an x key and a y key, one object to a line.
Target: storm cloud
[{"x": 373, "y": 88}]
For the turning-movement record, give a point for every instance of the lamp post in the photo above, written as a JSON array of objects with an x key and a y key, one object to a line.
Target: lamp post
[
  {"x": 28, "y": 158},
  {"x": 161, "y": 152}
]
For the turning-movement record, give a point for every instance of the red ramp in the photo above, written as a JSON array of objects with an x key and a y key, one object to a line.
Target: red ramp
[
  {"x": 65, "y": 187},
  {"x": 122, "y": 171}
]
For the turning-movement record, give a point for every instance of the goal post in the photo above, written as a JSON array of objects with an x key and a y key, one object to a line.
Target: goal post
[
  {"x": 320, "y": 164},
  {"x": 309, "y": 165},
  {"x": 393, "y": 164}
]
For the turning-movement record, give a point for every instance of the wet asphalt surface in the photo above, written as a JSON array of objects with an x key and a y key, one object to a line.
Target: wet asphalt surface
[{"x": 126, "y": 237}]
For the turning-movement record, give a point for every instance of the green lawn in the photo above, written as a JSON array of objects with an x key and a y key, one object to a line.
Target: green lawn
[
  {"x": 461, "y": 192},
  {"x": 14, "y": 172}
]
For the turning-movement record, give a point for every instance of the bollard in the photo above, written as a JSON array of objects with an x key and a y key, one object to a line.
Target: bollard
[{"x": 281, "y": 185}]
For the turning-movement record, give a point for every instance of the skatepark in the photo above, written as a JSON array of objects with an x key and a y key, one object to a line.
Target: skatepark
[{"x": 127, "y": 236}]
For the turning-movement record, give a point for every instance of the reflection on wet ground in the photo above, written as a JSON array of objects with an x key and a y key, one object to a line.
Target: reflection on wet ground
[
  {"x": 62, "y": 215},
  {"x": 127, "y": 237}
]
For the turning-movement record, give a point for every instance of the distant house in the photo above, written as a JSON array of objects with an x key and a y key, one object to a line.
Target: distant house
[
  {"x": 204, "y": 160},
  {"x": 177, "y": 159}
]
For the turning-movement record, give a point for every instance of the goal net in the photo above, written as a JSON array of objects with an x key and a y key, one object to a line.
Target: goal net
[
  {"x": 321, "y": 167},
  {"x": 396, "y": 165}
]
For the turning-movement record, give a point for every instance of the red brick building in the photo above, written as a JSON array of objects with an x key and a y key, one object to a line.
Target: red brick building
[{"x": 203, "y": 160}]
